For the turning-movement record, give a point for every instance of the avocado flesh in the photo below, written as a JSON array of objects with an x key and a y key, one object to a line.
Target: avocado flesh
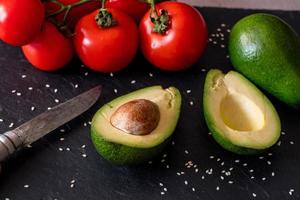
[
  {"x": 266, "y": 50},
  {"x": 240, "y": 118},
  {"x": 123, "y": 148}
]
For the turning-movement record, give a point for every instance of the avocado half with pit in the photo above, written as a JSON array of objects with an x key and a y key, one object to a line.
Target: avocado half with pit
[
  {"x": 240, "y": 117},
  {"x": 136, "y": 127}
]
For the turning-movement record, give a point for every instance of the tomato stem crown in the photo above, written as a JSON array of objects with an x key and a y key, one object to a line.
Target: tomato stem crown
[
  {"x": 105, "y": 19},
  {"x": 161, "y": 21}
]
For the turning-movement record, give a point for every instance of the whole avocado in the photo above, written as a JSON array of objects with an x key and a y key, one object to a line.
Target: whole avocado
[{"x": 266, "y": 49}]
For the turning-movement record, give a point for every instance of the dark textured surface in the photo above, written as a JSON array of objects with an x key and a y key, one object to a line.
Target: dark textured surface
[{"x": 48, "y": 171}]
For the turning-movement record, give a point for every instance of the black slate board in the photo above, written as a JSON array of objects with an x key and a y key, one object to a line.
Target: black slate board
[{"x": 48, "y": 172}]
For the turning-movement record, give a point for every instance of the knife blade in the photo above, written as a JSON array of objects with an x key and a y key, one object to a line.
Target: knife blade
[{"x": 46, "y": 122}]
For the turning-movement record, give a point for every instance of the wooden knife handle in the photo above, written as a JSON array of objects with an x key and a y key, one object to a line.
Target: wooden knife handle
[{"x": 9, "y": 143}]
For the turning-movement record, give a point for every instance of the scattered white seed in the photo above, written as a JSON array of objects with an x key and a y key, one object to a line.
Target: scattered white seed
[
  {"x": 196, "y": 170},
  {"x": 68, "y": 149},
  {"x": 86, "y": 73},
  {"x": 269, "y": 162},
  {"x": 223, "y": 25},
  {"x": 186, "y": 183},
  {"x": 56, "y": 101},
  {"x": 13, "y": 91},
  {"x": 252, "y": 177},
  {"x": 32, "y": 108},
  {"x": 84, "y": 155},
  {"x": 62, "y": 130},
  {"x": 115, "y": 91},
  {"x": 162, "y": 193},
  {"x": 26, "y": 186},
  {"x": 273, "y": 174},
  {"x": 251, "y": 170},
  {"x": 23, "y": 76},
  {"x": 263, "y": 178},
  {"x": 230, "y": 182},
  {"x": 237, "y": 161},
  {"x": 186, "y": 151},
  {"x": 150, "y": 162},
  {"x": 193, "y": 189},
  {"x": 188, "y": 91},
  {"x": 203, "y": 70},
  {"x": 253, "y": 194},
  {"x": 222, "y": 46},
  {"x": 202, "y": 177},
  {"x": 150, "y": 74},
  {"x": 261, "y": 157},
  {"x": 62, "y": 139},
  {"x": 72, "y": 185},
  {"x": 19, "y": 94},
  {"x": 191, "y": 103},
  {"x": 292, "y": 142},
  {"x": 279, "y": 143},
  {"x": 30, "y": 88},
  {"x": 83, "y": 146},
  {"x": 60, "y": 149},
  {"x": 111, "y": 74},
  {"x": 49, "y": 108},
  {"x": 76, "y": 86},
  {"x": 282, "y": 133},
  {"x": 55, "y": 90},
  {"x": 47, "y": 85},
  {"x": 11, "y": 125},
  {"x": 133, "y": 82},
  {"x": 165, "y": 189},
  {"x": 1, "y": 120},
  {"x": 217, "y": 188}
]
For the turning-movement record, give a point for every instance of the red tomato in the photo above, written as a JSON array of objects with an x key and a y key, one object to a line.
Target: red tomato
[
  {"x": 107, "y": 49},
  {"x": 181, "y": 45},
  {"x": 134, "y": 8},
  {"x": 76, "y": 13},
  {"x": 20, "y": 21},
  {"x": 50, "y": 51}
]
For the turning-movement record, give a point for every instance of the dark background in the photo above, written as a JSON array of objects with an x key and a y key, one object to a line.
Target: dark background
[{"x": 48, "y": 172}]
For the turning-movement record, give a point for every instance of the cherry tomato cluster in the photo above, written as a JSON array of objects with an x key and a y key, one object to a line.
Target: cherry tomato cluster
[{"x": 105, "y": 35}]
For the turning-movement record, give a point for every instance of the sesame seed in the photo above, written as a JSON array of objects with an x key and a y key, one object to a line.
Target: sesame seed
[
  {"x": 221, "y": 177},
  {"x": 230, "y": 182},
  {"x": 30, "y": 88},
  {"x": 60, "y": 149},
  {"x": 237, "y": 161},
  {"x": 133, "y": 82},
  {"x": 251, "y": 170},
  {"x": 6, "y": 198},
  {"x": 56, "y": 101},
  {"x": 72, "y": 181},
  {"x": 19, "y": 94},
  {"x": 203, "y": 70},
  {"x": 269, "y": 162},
  {"x": 193, "y": 189},
  {"x": 202, "y": 177},
  {"x": 62, "y": 130},
  {"x": 219, "y": 29},
  {"x": 186, "y": 183},
  {"x": 223, "y": 25},
  {"x": 83, "y": 146},
  {"x": 253, "y": 194},
  {"x": 84, "y": 155},
  {"x": 252, "y": 177},
  {"x": 263, "y": 178},
  {"x": 261, "y": 157},
  {"x": 273, "y": 174},
  {"x": 55, "y": 90},
  {"x": 211, "y": 157},
  {"x": 191, "y": 103},
  {"x": 162, "y": 193},
  {"x": 13, "y": 91},
  {"x": 115, "y": 91},
  {"x": 188, "y": 91},
  {"x": 186, "y": 151},
  {"x": 161, "y": 184},
  {"x": 47, "y": 85},
  {"x": 222, "y": 46},
  {"x": 279, "y": 143},
  {"x": 111, "y": 74},
  {"x": 292, "y": 142},
  {"x": 217, "y": 188},
  {"x": 32, "y": 108},
  {"x": 245, "y": 164},
  {"x": 149, "y": 162},
  {"x": 150, "y": 74},
  {"x": 165, "y": 189},
  {"x": 76, "y": 86},
  {"x": 11, "y": 125},
  {"x": 72, "y": 185},
  {"x": 86, "y": 73},
  {"x": 1, "y": 120},
  {"x": 196, "y": 170},
  {"x": 26, "y": 186},
  {"x": 23, "y": 76},
  {"x": 62, "y": 139},
  {"x": 49, "y": 108},
  {"x": 282, "y": 133},
  {"x": 68, "y": 149}
]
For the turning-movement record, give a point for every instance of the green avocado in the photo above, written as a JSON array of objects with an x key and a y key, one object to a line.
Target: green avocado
[
  {"x": 266, "y": 50},
  {"x": 118, "y": 128},
  {"x": 240, "y": 117}
]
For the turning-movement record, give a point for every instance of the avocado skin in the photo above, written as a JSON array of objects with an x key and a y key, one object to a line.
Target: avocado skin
[
  {"x": 219, "y": 138},
  {"x": 266, "y": 50},
  {"x": 119, "y": 154}
]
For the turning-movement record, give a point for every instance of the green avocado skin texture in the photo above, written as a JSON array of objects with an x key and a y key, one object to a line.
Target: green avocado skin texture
[
  {"x": 266, "y": 50},
  {"x": 119, "y": 154},
  {"x": 219, "y": 138}
]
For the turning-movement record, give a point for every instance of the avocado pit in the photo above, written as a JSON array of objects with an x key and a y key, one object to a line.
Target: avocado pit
[{"x": 137, "y": 117}]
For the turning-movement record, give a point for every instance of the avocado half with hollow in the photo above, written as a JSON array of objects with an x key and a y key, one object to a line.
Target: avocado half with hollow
[
  {"x": 240, "y": 117},
  {"x": 135, "y": 127}
]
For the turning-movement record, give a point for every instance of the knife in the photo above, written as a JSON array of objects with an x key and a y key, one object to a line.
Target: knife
[{"x": 46, "y": 122}]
